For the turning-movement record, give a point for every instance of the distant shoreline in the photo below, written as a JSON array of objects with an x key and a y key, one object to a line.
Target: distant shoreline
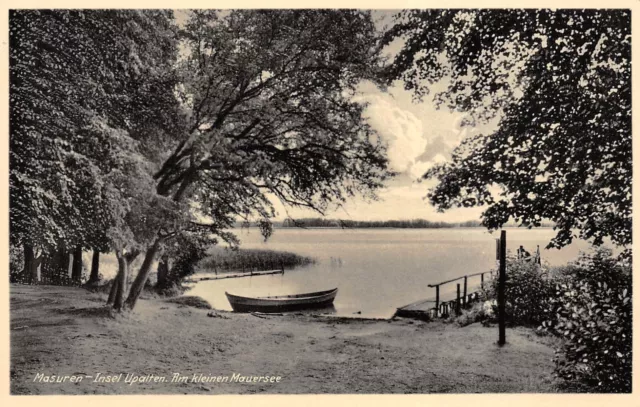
[
  {"x": 322, "y": 223},
  {"x": 388, "y": 227}
]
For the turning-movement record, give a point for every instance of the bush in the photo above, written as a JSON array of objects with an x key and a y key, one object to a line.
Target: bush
[
  {"x": 190, "y": 253},
  {"x": 592, "y": 311},
  {"x": 528, "y": 290},
  {"x": 587, "y": 303},
  {"x": 477, "y": 313}
]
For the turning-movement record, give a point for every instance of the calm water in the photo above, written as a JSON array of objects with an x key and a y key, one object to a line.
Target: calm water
[{"x": 378, "y": 270}]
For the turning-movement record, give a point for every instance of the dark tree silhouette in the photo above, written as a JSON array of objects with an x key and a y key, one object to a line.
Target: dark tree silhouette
[{"x": 560, "y": 82}]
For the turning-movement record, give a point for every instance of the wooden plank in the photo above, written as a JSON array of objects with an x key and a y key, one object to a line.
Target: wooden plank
[
  {"x": 415, "y": 304},
  {"x": 235, "y": 275}
]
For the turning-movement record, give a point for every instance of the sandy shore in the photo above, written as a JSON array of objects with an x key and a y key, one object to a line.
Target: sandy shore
[{"x": 67, "y": 331}]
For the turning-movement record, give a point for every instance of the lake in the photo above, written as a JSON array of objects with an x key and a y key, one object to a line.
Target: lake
[{"x": 379, "y": 270}]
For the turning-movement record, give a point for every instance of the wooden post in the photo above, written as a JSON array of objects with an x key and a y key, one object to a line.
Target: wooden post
[
  {"x": 501, "y": 283},
  {"x": 482, "y": 280},
  {"x": 458, "y": 300},
  {"x": 437, "y": 300},
  {"x": 464, "y": 298},
  {"x": 282, "y": 266}
]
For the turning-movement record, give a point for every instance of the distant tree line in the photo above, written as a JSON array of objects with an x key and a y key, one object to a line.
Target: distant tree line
[{"x": 401, "y": 224}]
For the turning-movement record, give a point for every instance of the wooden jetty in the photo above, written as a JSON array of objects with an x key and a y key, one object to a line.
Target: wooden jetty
[
  {"x": 439, "y": 307},
  {"x": 221, "y": 276}
]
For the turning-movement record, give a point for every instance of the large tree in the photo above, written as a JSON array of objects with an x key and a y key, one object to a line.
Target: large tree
[
  {"x": 91, "y": 99},
  {"x": 271, "y": 113},
  {"x": 560, "y": 83}
]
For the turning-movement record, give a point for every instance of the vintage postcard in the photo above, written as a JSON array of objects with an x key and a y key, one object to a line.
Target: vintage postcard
[{"x": 320, "y": 201}]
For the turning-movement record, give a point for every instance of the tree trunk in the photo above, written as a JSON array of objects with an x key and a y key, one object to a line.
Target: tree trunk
[
  {"x": 76, "y": 271},
  {"x": 163, "y": 271},
  {"x": 61, "y": 259},
  {"x": 69, "y": 263},
  {"x": 115, "y": 287},
  {"x": 112, "y": 292},
  {"x": 95, "y": 268},
  {"x": 131, "y": 256},
  {"x": 143, "y": 274},
  {"x": 121, "y": 278},
  {"x": 54, "y": 266},
  {"x": 29, "y": 259}
]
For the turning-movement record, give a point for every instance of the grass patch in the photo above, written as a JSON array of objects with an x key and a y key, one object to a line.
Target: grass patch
[
  {"x": 223, "y": 260},
  {"x": 190, "y": 301}
]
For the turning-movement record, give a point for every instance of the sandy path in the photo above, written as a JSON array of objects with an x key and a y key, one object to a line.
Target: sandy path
[{"x": 65, "y": 331}]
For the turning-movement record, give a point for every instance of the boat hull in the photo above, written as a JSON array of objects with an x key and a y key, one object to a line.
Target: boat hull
[{"x": 320, "y": 299}]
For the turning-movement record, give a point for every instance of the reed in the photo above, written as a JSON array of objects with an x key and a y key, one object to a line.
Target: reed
[{"x": 222, "y": 259}]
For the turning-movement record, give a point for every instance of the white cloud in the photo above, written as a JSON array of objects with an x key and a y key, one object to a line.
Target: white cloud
[{"x": 400, "y": 129}]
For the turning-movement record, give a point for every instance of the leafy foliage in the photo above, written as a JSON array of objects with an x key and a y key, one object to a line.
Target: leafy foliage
[
  {"x": 187, "y": 250},
  {"x": 528, "y": 292},
  {"x": 86, "y": 93},
  {"x": 588, "y": 304},
  {"x": 560, "y": 83},
  {"x": 16, "y": 261},
  {"x": 593, "y": 313}
]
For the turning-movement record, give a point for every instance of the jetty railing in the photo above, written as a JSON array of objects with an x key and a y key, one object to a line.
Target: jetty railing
[
  {"x": 444, "y": 308},
  {"x": 437, "y": 307}
]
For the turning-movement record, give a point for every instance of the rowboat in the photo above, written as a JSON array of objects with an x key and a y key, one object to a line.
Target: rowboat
[{"x": 279, "y": 303}]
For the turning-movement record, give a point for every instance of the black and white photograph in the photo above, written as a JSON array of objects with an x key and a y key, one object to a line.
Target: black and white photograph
[{"x": 315, "y": 201}]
